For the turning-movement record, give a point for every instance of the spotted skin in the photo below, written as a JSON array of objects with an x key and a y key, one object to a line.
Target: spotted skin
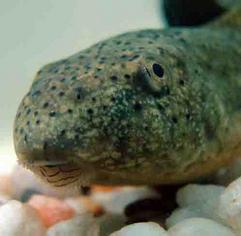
[{"x": 144, "y": 107}]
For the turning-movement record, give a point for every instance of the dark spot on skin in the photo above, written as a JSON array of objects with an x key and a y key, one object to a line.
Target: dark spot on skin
[
  {"x": 37, "y": 122},
  {"x": 160, "y": 107},
  {"x": 146, "y": 127},
  {"x": 26, "y": 138},
  {"x": 96, "y": 76},
  {"x": 113, "y": 99},
  {"x": 188, "y": 116},
  {"x": 28, "y": 123},
  {"x": 90, "y": 111},
  {"x": 77, "y": 130},
  {"x": 94, "y": 99},
  {"x": 62, "y": 132},
  {"x": 174, "y": 119},
  {"x": 80, "y": 93},
  {"x": 127, "y": 76},
  {"x": 181, "y": 82},
  {"x": 124, "y": 56},
  {"x": 46, "y": 104},
  {"x": 70, "y": 111},
  {"x": 36, "y": 93},
  {"x": 61, "y": 94},
  {"x": 196, "y": 71},
  {"x": 35, "y": 113},
  {"x": 158, "y": 70},
  {"x": 113, "y": 78},
  {"x": 28, "y": 111},
  {"x": 53, "y": 87},
  {"x": 52, "y": 113},
  {"x": 134, "y": 57},
  {"x": 137, "y": 106}
]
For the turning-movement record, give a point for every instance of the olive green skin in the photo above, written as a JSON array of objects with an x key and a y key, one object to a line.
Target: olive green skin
[{"x": 105, "y": 111}]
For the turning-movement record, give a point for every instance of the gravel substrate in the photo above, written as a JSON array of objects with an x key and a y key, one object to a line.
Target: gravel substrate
[{"x": 29, "y": 208}]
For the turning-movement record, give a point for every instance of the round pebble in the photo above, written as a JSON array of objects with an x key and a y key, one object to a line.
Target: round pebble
[
  {"x": 51, "y": 210},
  {"x": 199, "y": 227},
  {"x": 141, "y": 229},
  {"x": 230, "y": 205},
  {"x": 202, "y": 198},
  {"x": 181, "y": 214},
  {"x": 17, "y": 219},
  {"x": 80, "y": 225}
]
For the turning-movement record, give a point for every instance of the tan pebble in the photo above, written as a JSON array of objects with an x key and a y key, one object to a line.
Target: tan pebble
[{"x": 51, "y": 210}]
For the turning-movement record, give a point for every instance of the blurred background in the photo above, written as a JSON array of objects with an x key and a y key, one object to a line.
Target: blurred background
[{"x": 34, "y": 33}]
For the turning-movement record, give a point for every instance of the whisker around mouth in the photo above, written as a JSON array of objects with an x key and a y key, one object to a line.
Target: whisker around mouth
[
  {"x": 65, "y": 184},
  {"x": 45, "y": 173},
  {"x": 62, "y": 179}
]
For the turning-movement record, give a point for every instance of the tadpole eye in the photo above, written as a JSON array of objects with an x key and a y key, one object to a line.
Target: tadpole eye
[{"x": 158, "y": 70}]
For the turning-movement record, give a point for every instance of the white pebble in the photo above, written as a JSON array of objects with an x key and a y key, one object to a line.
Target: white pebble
[
  {"x": 79, "y": 225},
  {"x": 116, "y": 201},
  {"x": 199, "y": 227},
  {"x": 181, "y": 214},
  {"x": 203, "y": 198},
  {"x": 230, "y": 205},
  {"x": 141, "y": 229},
  {"x": 17, "y": 219}
]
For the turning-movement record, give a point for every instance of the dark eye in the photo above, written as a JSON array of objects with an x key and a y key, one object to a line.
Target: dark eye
[{"x": 158, "y": 70}]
